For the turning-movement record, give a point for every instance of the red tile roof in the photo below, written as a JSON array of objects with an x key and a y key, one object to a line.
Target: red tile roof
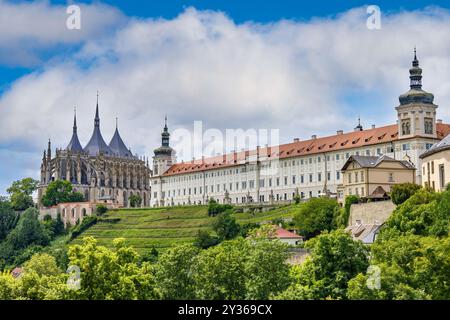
[
  {"x": 337, "y": 142},
  {"x": 285, "y": 234}
]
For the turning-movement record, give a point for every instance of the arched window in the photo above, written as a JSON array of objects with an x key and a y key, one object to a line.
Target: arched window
[
  {"x": 406, "y": 127},
  {"x": 428, "y": 126}
]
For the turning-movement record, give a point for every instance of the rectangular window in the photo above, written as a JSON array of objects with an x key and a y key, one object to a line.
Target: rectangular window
[
  {"x": 278, "y": 182},
  {"x": 293, "y": 179},
  {"x": 349, "y": 178},
  {"x": 328, "y": 176},
  {"x": 367, "y": 152},
  {"x": 270, "y": 182},
  {"x": 337, "y": 157},
  {"x": 302, "y": 179},
  {"x": 378, "y": 151},
  {"x": 285, "y": 181},
  {"x": 319, "y": 177},
  {"x": 406, "y": 146},
  {"x": 310, "y": 177}
]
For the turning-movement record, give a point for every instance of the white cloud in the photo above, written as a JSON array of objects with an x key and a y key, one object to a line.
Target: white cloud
[
  {"x": 296, "y": 76},
  {"x": 29, "y": 29}
]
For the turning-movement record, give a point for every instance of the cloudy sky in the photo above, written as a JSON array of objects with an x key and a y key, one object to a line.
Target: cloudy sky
[{"x": 271, "y": 65}]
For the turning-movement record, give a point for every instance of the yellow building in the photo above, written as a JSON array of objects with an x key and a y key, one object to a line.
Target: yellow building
[
  {"x": 362, "y": 175},
  {"x": 436, "y": 165}
]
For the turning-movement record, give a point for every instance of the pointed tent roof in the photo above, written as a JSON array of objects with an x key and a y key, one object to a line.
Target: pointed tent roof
[
  {"x": 74, "y": 144},
  {"x": 97, "y": 144},
  {"x": 117, "y": 145}
]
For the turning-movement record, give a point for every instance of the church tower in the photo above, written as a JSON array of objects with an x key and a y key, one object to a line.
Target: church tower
[
  {"x": 164, "y": 156},
  {"x": 416, "y": 112}
]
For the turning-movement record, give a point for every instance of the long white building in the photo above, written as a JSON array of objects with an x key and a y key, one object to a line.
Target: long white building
[{"x": 308, "y": 168}]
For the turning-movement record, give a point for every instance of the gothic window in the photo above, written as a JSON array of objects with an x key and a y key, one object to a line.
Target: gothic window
[
  {"x": 428, "y": 126},
  {"x": 406, "y": 127}
]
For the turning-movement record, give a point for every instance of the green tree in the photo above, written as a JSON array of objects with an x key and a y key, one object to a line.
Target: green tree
[
  {"x": 111, "y": 274},
  {"x": 8, "y": 220},
  {"x": 101, "y": 209},
  {"x": 344, "y": 213},
  {"x": 315, "y": 216},
  {"x": 226, "y": 226},
  {"x": 173, "y": 272},
  {"x": 28, "y": 230},
  {"x": 60, "y": 191},
  {"x": 135, "y": 201},
  {"x": 241, "y": 269},
  {"x": 205, "y": 240},
  {"x": 20, "y": 193},
  {"x": 335, "y": 259},
  {"x": 403, "y": 191},
  {"x": 411, "y": 267},
  {"x": 425, "y": 213},
  {"x": 215, "y": 208}
]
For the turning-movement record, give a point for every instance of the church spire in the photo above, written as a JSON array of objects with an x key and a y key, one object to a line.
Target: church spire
[
  {"x": 49, "y": 150},
  {"x": 97, "y": 117},
  {"x": 415, "y": 73},
  {"x": 74, "y": 120},
  {"x": 74, "y": 144},
  {"x": 165, "y": 135}
]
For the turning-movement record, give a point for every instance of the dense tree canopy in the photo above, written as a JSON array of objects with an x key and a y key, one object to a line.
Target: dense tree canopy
[
  {"x": 20, "y": 193},
  {"x": 60, "y": 191},
  {"x": 411, "y": 267},
  {"x": 226, "y": 226},
  {"x": 426, "y": 213},
  {"x": 403, "y": 191},
  {"x": 335, "y": 259},
  {"x": 316, "y": 215}
]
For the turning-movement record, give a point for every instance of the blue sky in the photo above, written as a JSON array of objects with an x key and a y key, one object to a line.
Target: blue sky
[{"x": 304, "y": 67}]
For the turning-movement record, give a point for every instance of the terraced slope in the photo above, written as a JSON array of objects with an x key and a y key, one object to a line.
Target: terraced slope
[{"x": 165, "y": 227}]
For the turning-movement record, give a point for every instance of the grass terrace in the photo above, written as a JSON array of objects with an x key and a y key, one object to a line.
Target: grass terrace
[{"x": 165, "y": 227}]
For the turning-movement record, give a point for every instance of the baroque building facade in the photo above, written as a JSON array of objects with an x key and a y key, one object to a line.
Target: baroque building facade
[
  {"x": 307, "y": 168},
  {"x": 103, "y": 173}
]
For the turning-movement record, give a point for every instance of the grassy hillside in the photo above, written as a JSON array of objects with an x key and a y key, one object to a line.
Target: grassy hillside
[{"x": 164, "y": 227}]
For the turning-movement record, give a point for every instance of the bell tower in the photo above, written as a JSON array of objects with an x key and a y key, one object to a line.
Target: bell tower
[
  {"x": 164, "y": 156},
  {"x": 416, "y": 113}
]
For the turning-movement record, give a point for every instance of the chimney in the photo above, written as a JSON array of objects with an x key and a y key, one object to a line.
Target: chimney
[
  {"x": 439, "y": 121},
  {"x": 296, "y": 139},
  {"x": 314, "y": 136},
  {"x": 339, "y": 132},
  {"x": 373, "y": 126}
]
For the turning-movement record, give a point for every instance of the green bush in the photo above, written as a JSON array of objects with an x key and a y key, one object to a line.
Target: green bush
[
  {"x": 101, "y": 209},
  {"x": 205, "y": 240},
  {"x": 84, "y": 225},
  {"x": 403, "y": 191},
  {"x": 215, "y": 208}
]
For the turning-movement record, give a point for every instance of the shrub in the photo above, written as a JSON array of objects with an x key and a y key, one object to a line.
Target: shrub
[
  {"x": 205, "y": 240},
  {"x": 101, "y": 209},
  {"x": 215, "y": 208},
  {"x": 226, "y": 226},
  {"x": 135, "y": 201},
  {"x": 84, "y": 225},
  {"x": 402, "y": 192}
]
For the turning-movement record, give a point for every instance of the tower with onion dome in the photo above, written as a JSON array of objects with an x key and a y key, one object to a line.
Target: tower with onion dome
[{"x": 416, "y": 112}]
